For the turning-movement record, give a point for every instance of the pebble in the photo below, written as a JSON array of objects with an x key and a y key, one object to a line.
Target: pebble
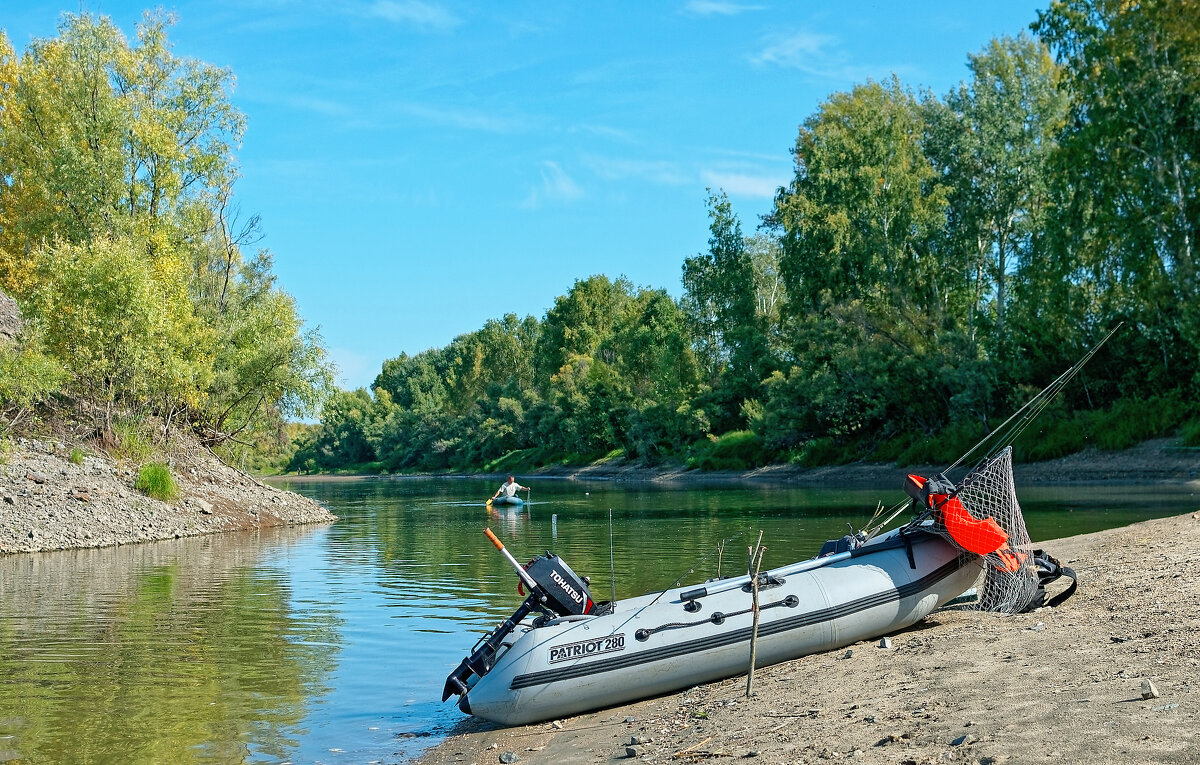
[
  {"x": 509, "y": 757},
  {"x": 1148, "y": 690},
  {"x": 43, "y": 511},
  {"x": 632, "y": 752},
  {"x": 885, "y": 642}
]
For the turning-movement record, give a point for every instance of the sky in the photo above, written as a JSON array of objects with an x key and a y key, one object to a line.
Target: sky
[{"x": 423, "y": 166}]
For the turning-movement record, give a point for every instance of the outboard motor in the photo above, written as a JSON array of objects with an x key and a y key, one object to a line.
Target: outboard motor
[{"x": 554, "y": 589}]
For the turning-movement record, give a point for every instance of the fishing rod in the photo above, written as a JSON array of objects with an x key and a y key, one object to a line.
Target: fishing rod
[
  {"x": 1035, "y": 405},
  {"x": 1026, "y": 414}
]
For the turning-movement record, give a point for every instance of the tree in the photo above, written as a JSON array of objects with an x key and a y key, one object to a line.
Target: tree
[
  {"x": 1132, "y": 149},
  {"x": 721, "y": 299},
  {"x": 128, "y": 340},
  {"x": 993, "y": 143},
  {"x": 100, "y": 138},
  {"x": 859, "y": 216},
  {"x": 579, "y": 322},
  {"x": 116, "y": 164}
]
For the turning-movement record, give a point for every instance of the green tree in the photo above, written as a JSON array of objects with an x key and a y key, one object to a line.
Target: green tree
[
  {"x": 128, "y": 341},
  {"x": 112, "y": 151},
  {"x": 579, "y": 322},
  {"x": 1132, "y": 154},
  {"x": 100, "y": 138},
  {"x": 721, "y": 299},
  {"x": 993, "y": 143},
  {"x": 859, "y": 218}
]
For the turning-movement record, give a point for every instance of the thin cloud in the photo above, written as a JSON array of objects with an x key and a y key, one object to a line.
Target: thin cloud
[
  {"x": 744, "y": 184},
  {"x": 716, "y": 8},
  {"x": 656, "y": 171},
  {"x": 462, "y": 118},
  {"x": 799, "y": 51},
  {"x": 413, "y": 12},
  {"x": 814, "y": 54},
  {"x": 604, "y": 131},
  {"x": 556, "y": 186}
]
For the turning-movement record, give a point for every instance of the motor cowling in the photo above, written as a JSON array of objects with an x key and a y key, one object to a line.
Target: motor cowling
[{"x": 563, "y": 591}]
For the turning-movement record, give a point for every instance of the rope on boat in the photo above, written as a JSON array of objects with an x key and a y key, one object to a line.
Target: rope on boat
[{"x": 718, "y": 618}]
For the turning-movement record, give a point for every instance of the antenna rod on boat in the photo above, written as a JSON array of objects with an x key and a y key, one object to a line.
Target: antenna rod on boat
[
  {"x": 521, "y": 572},
  {"x": 612, "y": 565}
]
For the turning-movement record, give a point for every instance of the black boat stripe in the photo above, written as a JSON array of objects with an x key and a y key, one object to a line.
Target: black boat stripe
[{"x": 545, "y": 677}]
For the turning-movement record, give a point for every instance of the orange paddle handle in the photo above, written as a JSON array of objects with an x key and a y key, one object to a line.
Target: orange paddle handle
[{"x": 495, "y": 540}]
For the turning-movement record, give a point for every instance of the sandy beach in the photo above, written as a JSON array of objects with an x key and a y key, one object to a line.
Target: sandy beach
[{"x": 1061, "y": 685}]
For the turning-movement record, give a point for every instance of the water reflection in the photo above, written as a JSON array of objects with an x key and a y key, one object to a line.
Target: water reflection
[{"x": 170, "y": 652}]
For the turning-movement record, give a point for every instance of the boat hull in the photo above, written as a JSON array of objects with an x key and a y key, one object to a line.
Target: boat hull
[
  {"x": 511, "y": 501},
  {"x": 655, "y": 644}
]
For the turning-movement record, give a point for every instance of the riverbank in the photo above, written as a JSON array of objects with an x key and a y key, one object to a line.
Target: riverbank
[
  {"x": 48, "y": 502},
  {"x": 1162, "y": 460},
  {"x": 1055, "y": 685}
]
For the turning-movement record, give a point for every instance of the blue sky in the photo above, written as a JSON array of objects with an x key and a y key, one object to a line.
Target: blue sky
[{"x": 423, "y": 166}]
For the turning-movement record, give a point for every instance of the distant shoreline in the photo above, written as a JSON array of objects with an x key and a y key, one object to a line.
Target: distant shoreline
[{"x": 1160, "y": 461}]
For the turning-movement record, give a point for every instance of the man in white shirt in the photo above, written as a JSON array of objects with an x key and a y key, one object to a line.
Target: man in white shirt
[{"x": 509, "y": 488}]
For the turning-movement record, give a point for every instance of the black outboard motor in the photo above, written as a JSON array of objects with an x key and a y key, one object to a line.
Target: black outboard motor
[{"x": 553, "y": 588}]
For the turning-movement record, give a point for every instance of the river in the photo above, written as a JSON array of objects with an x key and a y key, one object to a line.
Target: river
[{"x": 330, "y": 644}]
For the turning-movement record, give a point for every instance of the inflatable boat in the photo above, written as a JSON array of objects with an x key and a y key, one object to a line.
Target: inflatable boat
[
  {"x": 513, "y": 501},
  {"x": 561, "y": 653}
]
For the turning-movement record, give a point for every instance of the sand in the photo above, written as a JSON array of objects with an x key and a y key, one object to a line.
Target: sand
[{"x": 1061, "y": 685}]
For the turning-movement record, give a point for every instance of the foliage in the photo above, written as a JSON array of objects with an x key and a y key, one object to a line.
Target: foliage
[
  {"x": 130, "y": 440},
  {"x": 155, "y": 481},
  {"x": 730, "y": 296},
  {"x": 1121, "y": 426},
  {"x": 76, "y": 456},
  {"x": 28, "y": 377},
  {"x": 736, "y": 450},
  {"x": 121, "y": 239},
  {"x": 130, "y": 340}
]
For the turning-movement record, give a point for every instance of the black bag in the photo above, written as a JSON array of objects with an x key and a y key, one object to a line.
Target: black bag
[{"x": 1050, "y": 569}]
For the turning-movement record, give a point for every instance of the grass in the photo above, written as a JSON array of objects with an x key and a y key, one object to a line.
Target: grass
[
  {"x": 155, "y": 481},
  {"x": 77, "y": 456},
  {"x": 1122, "y": 426},
  {"x": 131, "y": 442},
  {"x": 736, "y": 450}
]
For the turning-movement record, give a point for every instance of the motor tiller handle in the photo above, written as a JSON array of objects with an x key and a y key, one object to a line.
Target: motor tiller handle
[{"x": 521, "y": 572}]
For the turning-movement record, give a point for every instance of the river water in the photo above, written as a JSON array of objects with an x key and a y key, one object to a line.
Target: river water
[{"x": 330, "y": 644}]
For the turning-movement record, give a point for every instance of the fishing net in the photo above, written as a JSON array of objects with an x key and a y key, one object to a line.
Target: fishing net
[{"x": 1009, "y": 579}]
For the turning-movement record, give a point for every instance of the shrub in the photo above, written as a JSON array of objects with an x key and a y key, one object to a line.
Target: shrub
[
  {"x": 1191, "y": 433},
  {"x": 155, "y": 481},
  {"x": 130, "y": 441},
  {"x": 824, "y": 451},
  {"x": 736, "y": 450},
  {"x": 77, "y": 456}
]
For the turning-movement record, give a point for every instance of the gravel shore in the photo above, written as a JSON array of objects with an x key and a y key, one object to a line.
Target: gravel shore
[
  {"x": 1110, "y": 676},
  {"x": 47, "y": 502}
]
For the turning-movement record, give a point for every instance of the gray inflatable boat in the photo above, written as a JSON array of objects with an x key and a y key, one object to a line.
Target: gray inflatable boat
[{"x": 560, "y": 654}]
